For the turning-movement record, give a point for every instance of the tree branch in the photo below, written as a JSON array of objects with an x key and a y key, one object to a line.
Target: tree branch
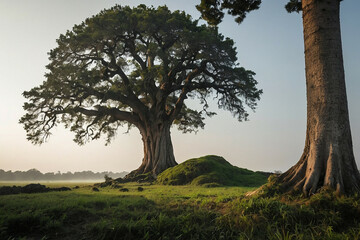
[
  {"x": 180, "y": 101},
  {"x": 118, "y": 115}
]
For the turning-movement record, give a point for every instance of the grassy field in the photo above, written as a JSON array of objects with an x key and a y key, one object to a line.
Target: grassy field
[{"x": 174, "y": 212}]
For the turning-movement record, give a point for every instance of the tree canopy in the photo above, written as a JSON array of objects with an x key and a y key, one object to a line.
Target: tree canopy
[
  {"x": 126, "y": 65},
  {"x": 213, "y": 10}
]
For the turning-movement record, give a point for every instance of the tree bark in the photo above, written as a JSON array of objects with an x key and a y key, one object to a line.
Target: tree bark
[
  {"x": 158, "y": 149},
  {"x": 328, "y": 158}
]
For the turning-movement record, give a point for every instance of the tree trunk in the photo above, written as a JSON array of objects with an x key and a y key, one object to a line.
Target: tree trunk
[
  {"x": 328, "y": 158},
  {"x": 158, "y": 150}
]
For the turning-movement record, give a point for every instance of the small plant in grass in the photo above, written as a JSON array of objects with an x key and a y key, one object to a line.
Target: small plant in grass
[{"x": 108, "y": 179}]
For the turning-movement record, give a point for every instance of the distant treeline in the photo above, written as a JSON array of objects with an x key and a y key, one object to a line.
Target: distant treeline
[{"x": 34, "y": 174}]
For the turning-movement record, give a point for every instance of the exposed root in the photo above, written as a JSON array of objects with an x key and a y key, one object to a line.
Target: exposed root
[{"x": 317, "y": 170}]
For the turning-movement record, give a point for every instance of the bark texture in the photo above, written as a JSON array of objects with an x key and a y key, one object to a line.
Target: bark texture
[
  {"x": 328, "y": 158},
  {"x": 158, "y": 149}
]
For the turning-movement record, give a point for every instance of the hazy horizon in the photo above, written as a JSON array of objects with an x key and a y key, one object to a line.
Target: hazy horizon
[{"x": 269, "y": 42}]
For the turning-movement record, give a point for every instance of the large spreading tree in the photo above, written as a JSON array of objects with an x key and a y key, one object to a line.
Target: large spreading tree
[
  {"x": 136, "y": 67},
  {"x": 328, "y": 158}
]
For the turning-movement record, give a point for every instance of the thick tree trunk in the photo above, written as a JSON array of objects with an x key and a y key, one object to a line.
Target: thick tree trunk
[
  {"x": 158, "y": 150},
  {"x": 328, "y": 158}
]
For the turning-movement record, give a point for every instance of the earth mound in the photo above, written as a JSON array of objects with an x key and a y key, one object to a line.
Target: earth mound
[{"x": 211, "y": 171}]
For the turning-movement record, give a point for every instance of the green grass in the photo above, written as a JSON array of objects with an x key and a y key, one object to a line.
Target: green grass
[
  {"x": 175, "y": 212},
  {"x": 210, "y": 171},
  {"x": 84, "y": 214}
]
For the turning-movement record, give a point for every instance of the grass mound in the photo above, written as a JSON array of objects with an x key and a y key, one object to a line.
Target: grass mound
[{"x": 211, "y": 171}]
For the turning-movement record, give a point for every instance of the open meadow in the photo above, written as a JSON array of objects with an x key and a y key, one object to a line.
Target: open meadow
[{"x": 146, "y": 211}]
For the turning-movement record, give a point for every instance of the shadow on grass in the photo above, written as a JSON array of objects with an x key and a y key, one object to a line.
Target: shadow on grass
[{"x": 70, "y": 216}]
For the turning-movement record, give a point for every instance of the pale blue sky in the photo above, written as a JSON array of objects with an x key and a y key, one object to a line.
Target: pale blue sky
[{"x": 269, "y": 42}]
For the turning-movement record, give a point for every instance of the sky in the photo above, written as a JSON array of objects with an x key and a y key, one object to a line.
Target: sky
[{"x": 269, "y": 42}]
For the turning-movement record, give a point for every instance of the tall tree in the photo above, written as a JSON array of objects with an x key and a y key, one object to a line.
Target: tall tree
[
  {"x": 328, "y": 159},
  {"x": 137, "y": 66}
]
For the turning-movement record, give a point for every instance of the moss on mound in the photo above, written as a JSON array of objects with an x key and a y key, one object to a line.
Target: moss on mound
[{"x": 211, "y": 171}]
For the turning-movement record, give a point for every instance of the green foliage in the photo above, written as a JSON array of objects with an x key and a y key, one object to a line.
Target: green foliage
[
  {"x": 134, "y": 66},
  {"x": 210, "y": 170},
  {"x": 211, "y": 10},
  {"x": 293, "y": 6}
]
